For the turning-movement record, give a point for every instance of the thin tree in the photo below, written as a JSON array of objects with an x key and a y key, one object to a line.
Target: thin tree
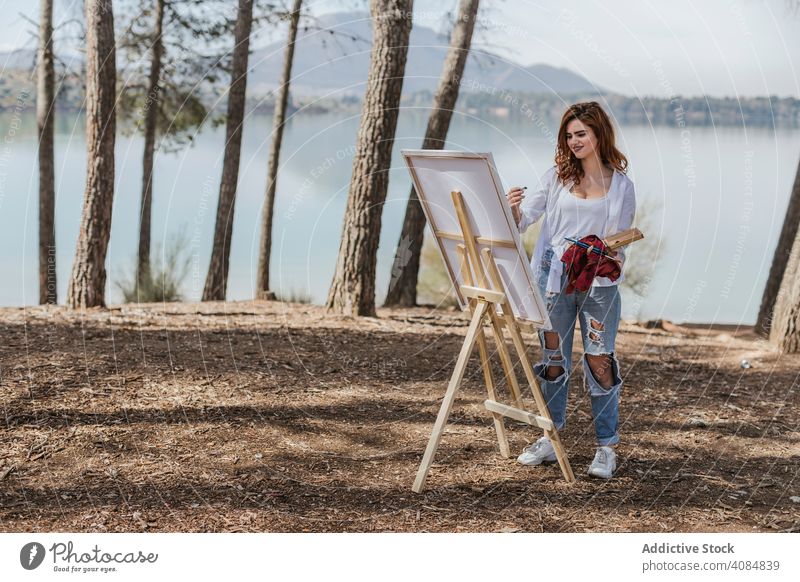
[
  {"x": 217, "y": 278},
  {"x": 169, "y": 64},
  {"x": 45, "y": 110},
  {"x": 780, "y": 260},
  {"x": 88, "y": 280},
  {"x": 150, "y": 121},
  {"x": 278, "y": 121},
  {"x": 353, "y": 289},
  {"x": 405, "y": 268}
]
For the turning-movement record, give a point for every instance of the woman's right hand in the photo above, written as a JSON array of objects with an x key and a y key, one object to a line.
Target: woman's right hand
[{"x": 515, "y": 197}]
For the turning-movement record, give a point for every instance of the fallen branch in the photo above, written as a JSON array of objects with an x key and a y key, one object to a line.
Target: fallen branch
[{"x": 46, "y": 453}]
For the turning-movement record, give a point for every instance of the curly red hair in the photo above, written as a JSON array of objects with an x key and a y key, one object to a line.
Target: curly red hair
[{"x": 589, "y": 113}]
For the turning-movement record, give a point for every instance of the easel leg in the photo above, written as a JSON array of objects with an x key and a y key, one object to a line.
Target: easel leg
[
  {"x": 505, "y": 358},
  {"x": 558, "y": 447},
  {"x": 449, "y": 396},
  {"x": 519, "y": 344},
  {"x": 486, "y": 364}
]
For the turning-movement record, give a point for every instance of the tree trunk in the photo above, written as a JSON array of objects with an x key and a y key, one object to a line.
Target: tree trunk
[
  {"x": 783, "y": 321},
  {"x": 780, "y": 259},
  {"x": 405, "y": 268},
  {"x": 217, "y": 278},
  {"x": 88, "y": 281},
  {"x": 45, "y": 109},
  {"x": 785, "y": 328},
  {"x": 278, "y": 120},
  {"x": 150, "y": 123},
  {"x": 353, "y": 289}
]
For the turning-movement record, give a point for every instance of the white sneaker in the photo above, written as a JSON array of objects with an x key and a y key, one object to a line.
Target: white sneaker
[
  {"x": 537, "y": 453},
  {"x": 604, "y": 464}
]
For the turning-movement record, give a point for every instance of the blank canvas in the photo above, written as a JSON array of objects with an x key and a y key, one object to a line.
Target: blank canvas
[{"x": 436, "y": 173}]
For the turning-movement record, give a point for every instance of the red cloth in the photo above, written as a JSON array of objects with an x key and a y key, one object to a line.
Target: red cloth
[{"x": 583, "y": 265}]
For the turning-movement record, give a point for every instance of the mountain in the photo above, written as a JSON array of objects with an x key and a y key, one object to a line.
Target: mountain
[
  {"x": 18, "y": 59},
  {"x": 332, "y": 56},
  {"x": 336, "y": 59}
]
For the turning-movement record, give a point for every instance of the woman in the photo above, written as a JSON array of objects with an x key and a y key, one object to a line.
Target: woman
[{"x": 586, "y": 192}]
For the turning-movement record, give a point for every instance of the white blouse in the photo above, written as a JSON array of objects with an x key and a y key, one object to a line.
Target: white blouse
[{"x": 567, "y": 215}]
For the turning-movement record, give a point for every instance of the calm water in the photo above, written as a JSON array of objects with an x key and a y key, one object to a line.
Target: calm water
[{"x": 715, "y": 201}]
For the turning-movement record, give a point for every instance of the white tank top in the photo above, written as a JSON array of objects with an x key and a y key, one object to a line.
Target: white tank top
[{"x": 576, "y": 217}]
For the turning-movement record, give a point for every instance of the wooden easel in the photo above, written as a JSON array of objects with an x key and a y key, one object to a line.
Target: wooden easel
[{"x": 483, "y": 304}]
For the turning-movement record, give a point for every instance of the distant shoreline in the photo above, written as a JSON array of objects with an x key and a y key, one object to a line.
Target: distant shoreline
[{"x": 537, "y": 108}]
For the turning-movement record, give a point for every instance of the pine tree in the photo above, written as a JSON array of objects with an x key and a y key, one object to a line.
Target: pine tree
[
  {"x": 217, "y": 278},
  {"x": 405, "y": 269},
  {"x": 353, "y": 289},
  {"x": 88, "y": 281},
  {"x": 278, "y": 121}
]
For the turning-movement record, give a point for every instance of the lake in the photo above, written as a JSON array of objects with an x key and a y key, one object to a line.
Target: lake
[{"x": 713, "y": 198}]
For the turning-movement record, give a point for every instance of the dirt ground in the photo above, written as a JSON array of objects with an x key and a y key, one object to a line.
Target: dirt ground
[{"x": 265, "y": 416}]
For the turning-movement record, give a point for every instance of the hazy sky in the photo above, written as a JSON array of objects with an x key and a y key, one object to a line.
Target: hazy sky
[{"x": 634, "y": 47}]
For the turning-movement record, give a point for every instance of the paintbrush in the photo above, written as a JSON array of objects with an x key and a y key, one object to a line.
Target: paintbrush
[{"x": 584, "y": 245}]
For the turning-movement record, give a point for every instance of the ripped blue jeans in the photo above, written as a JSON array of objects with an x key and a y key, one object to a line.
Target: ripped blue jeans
[{"x": 599, "y": 313}]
